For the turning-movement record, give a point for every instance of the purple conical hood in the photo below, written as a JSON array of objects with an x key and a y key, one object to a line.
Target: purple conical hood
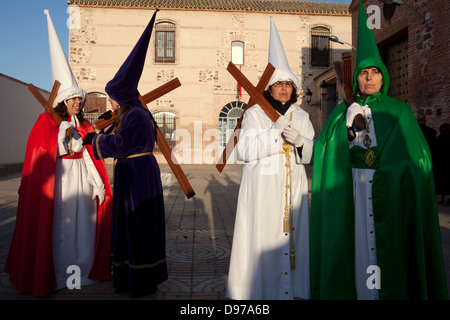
[{"x": 123, "y": 88}]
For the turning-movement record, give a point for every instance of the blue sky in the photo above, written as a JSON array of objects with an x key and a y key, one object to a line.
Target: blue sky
[{"x": 24, "y": 52}]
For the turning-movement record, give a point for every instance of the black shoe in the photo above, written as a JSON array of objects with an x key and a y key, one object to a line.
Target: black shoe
[{"x": 138, "y": 293}]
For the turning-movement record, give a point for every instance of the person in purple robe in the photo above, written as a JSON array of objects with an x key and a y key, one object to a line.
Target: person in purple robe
[{"x": 138, "y": 228}]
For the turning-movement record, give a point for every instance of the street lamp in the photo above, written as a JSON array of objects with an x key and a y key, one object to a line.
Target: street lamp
[
  {"x": 424, "y": 16},
  {"x": 336, "y": 39}
]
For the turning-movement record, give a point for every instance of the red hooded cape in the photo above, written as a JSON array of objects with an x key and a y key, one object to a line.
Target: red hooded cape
[{"x": 30, "y": 260}]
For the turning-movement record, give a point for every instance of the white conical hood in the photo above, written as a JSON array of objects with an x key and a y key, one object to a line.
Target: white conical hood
[
  {"x": 278, "y": 59},
  {"x": 61, "y": 70}
]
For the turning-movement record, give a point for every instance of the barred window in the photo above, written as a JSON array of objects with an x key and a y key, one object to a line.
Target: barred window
[
  {"x": 320, "y": 47},
  {"x": 165, "y": 42},
  {"x": 166, "y": 124}
]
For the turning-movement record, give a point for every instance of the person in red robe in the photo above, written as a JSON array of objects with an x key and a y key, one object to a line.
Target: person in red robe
[{"x": 64, "y": 210}]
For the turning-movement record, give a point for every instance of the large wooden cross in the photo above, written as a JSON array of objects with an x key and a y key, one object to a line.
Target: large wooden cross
[
  {"x": 343, "y": 72},
  {"x": 164, "y": 147},
  {"x": 48, "y": 105},
  {"x": 256, "y": 97},
  {"x": 265, "y": 78},
  {"x": 160, "y": 140},
  {"x": 149, "y": 97}
]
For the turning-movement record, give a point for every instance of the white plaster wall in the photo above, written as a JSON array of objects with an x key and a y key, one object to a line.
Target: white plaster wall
[{"x": 20, "y": 111}]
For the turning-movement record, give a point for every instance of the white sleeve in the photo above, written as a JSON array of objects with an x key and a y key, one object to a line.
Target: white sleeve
[
  {"x": 306, "y": 129},
  {"x": 257, "y": 140},
  {"x": 93, "y": 176}
]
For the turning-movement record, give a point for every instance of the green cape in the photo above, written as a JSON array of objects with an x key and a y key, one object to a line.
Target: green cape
[{"x": 408, "y": 241}]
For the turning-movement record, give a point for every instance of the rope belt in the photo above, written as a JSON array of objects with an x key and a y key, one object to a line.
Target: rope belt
[{"x": 288, "y": 223}]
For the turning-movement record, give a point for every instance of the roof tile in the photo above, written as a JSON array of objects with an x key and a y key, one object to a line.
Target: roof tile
[{"x": 223, "y": 5}]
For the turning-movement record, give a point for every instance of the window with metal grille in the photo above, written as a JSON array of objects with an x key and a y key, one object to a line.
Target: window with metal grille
[
  {"x": 320, "y": 47},
  {"x": 166, "y": 124},
  {"x": 165, "y": 42}
]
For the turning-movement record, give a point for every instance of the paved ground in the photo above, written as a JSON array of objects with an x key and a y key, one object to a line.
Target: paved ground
[{"x": 199, "y": 237}]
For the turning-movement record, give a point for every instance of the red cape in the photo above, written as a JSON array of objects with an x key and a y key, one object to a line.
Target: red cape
[{"x": 30, "y": 260}]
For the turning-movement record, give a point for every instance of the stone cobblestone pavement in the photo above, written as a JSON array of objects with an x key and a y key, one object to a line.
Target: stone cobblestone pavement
[{"x": 199, "y": 235}]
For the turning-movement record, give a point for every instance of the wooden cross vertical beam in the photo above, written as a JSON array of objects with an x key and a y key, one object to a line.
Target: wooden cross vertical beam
[
  {"x": 344, "y": 75},
  {"x": 161, "y": 141}
]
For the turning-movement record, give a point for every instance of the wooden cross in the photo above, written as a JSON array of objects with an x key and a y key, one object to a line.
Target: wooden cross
[
  {"x": 160, "y": 140},
  {"x": 48, "y": 105},
  {"x": 162, "y": 143},
  {"x": 265, "y": 78},
  {"x": 344, "y": 74},
  {"x": 149, "y": 97}
]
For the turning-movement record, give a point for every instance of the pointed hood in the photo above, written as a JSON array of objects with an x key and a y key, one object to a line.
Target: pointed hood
[
  {"x": 123, "y": 88},
  {"x": 367, "y": 54},
  {"x": 278, "y": 59},
  {"x": 61, "y": 70}
]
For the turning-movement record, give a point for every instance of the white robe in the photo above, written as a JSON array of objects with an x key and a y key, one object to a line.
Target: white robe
[
  {"x": 365, "y": 244},
  {"x": 260, "y": 263},
  {"x": 74, "y": 215}
]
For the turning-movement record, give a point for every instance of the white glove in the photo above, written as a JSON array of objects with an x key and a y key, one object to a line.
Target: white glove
[
  {"x": 293, "y": 136},
  {"x": 281, "y": 123},
  {"x": 98, "y": 192},
  {"x": 352, "y": 111},
  {"x": 62, "y": 130}
]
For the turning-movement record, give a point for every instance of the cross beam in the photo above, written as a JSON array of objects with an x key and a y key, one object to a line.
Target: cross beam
[
  {"x": 48, "y": 105},
  {"x": 149, "y": 97},
  {"x": 265, "y": 78}
]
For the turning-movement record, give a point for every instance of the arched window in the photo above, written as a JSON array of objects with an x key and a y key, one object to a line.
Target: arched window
[
  {"x": 320, "y": 47},
  {"x": 165, "y": 42},
  {"x": 166, "y": 123},
  {"x": 228, "y": 119}
]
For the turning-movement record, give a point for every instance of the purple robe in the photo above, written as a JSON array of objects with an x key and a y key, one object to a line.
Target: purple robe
[{"x": 138, "y": 229}]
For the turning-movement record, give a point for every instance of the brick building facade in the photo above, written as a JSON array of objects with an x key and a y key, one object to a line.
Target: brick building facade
[{"x": 415, "y": 47}]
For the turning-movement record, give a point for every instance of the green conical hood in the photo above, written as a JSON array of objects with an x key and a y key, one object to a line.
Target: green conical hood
[
  {"x": 367, "y": 54},
  {"x": 366, "y": 45}
]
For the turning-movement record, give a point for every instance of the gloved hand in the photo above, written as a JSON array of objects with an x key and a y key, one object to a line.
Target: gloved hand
[
  {"x": 98, "y": 192},
  {"x": 107, "y": 115},
  {"x": 62, "y": 130},
  {"x": 293, "y": 136},
  {"x": 353, "y": 110},
  {"x": 88, "y": 138},
  {"x": 281, "y": 123}
]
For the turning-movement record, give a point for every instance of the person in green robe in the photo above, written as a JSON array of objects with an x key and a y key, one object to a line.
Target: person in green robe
[{"x": 374, "y": 229}]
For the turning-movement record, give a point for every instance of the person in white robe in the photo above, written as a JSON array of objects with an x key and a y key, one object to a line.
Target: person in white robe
[
  {"x": 77, "y": 186},
  {"x": 270, "y": 250}
]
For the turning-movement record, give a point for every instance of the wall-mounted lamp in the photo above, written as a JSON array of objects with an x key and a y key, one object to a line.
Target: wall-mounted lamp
[
  {"x": 424, "y": 16},
  {"x": 336, "y": 39},
  {"x": 316, "y": 104},
  {"x": 324, "y": 88},
  {"x": 308, "y": 96}
]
